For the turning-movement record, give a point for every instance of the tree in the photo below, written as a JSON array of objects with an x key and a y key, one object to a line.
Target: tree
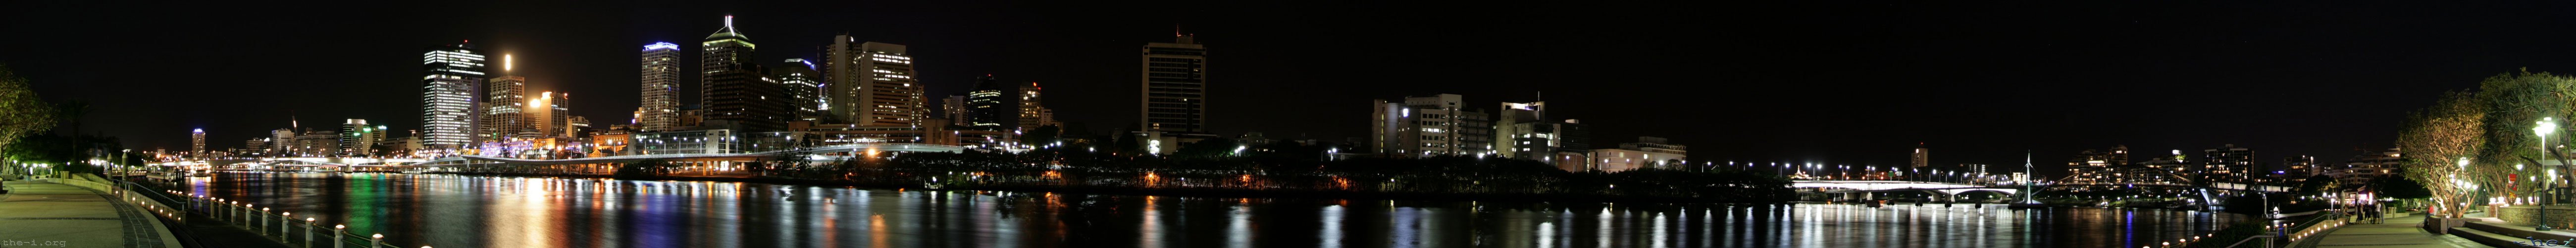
[
  {"x": 2315, "y": 184},
  {"x": 2438, "y": 139},
  {"x": 2399, "y": 187},
  {"x": 22, "y": 113},
  {"x": 2516, "y": 103}
]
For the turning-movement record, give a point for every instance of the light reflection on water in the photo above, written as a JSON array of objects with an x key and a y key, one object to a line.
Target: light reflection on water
[{"x": 476, "y": 211}]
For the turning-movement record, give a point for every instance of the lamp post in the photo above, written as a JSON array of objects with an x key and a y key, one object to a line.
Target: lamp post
[{"x": 2542, "y": 131}]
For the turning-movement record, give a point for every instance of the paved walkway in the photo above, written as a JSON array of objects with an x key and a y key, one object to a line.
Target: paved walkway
[
  {"x": 35, "y": 214},
  {"x": 2391, "y": 232}
]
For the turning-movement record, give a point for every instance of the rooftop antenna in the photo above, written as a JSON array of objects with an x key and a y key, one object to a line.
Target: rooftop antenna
[
  {"x": 290, "y": 120},
  {"x": 728, "y": 23}
]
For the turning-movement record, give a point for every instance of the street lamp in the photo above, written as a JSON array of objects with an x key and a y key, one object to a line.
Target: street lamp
[{"x": 2542, "y": 130}]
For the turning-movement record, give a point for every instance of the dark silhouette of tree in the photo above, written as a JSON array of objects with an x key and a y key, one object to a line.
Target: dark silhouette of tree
[{"x": 22, "y": 113}]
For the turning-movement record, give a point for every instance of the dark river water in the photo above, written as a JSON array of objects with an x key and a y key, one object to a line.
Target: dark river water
[{"x": 482, "y": 211}]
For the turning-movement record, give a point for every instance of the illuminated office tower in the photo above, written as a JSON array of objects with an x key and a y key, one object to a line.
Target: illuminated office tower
[
  {"x": 872, "y": 83},
  {"x": 803, "y": 82},
  {"x": 1175, "y": 85},
  {"x": 661, "y": 108},
  {"x": 987, "y": 104},
  {"x": 505, "y": 115},
  {"x": 358, "y": 139},
  {"x": 734, "y": 89},
  {"x": 197, "y": 142},
  {"x": 1033, "y": 111},
  {"x": 447, "y": 95}
]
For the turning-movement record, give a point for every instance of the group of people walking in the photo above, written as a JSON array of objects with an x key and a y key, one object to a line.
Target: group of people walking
[{"x": 2364, "y": 212}]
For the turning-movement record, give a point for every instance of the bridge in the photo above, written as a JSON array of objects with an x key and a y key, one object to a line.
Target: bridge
[
  {"x": 1951, "y": 191},
  {"x": 684, "y": 162}
]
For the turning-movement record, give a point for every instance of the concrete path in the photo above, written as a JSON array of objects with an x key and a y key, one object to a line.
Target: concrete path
[
  {"x": 35, "y": 214},
  {"x": 2392, "y": 232}
]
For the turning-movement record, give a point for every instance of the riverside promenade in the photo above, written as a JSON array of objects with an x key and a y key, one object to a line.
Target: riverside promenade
[
  {"x": 38, "y": 214},
  {"x": 2392, "y": 232}
]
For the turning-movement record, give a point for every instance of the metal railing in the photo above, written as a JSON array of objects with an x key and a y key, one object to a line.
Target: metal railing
[{"x": 280, "y": 225}]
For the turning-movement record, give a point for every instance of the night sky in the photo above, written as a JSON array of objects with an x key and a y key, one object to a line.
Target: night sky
[{"x": 1843, "y": 84}]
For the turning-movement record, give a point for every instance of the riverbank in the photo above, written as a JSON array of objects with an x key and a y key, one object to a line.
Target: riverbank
[{"x": 1178, "y": 191}]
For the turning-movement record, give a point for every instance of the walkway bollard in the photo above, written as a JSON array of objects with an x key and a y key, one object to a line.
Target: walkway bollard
[
  {"x": 263, "y": 222},
  {"x": 283, "y": 219},
  {"x": 379, "y": 241},
  {"x": 336, "y": 232},
  {"x": 308, "y": 232}
]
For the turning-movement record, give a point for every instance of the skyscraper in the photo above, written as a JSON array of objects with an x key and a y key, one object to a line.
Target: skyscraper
[
  {"x": 447, "y": 95},
  {"x": 734, "y": 88},
  {"x": 547, "y": 116},
  {"x": 197, "y": 142},
  {"x": 1175, "y": 85},
  {"x": 872, "y": 83},
  {"x": 661, "y": 108},
  {"x": 1033, "y": 111},
  {"x": 357, "y": 138},
  {"x": 987, "y": 107},
  {"x": 953, "y": 108},
  {"x": 505, "y": 111},
  {"x": 803, "y": 82}
]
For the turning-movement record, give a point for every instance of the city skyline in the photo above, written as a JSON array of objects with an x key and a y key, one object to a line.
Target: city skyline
[{"x": 1991, "y": 115}]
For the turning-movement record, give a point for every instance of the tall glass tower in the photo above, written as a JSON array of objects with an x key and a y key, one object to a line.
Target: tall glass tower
[
  {"x": 447, "y": 95},
  {"x": 661, "y": 108},
  {"x": 735, "y": 89}
]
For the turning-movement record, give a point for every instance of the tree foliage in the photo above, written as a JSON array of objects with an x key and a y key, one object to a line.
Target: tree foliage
[
  {"x": 2399, "y": 187},
  {"x": 2436, "y": 139},
  {"x": 22, "y": 113}
]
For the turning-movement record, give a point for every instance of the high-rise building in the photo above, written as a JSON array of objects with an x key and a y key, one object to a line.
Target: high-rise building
[
  {"x": 988, "y": 107},
  {"x": 505, "y": 111},
  {"x": 547, "y": 116},
  {"x": 317, "y": 144},
  {"x": 197, "y": 141},
  {"x": 736, "y": 90},
  {"x": 447, "y": 95},
  {"x": 255, "y": 146},
  {"x": 1922, "y": 157},
  {"x": 661, "y": 108},
  {"x": 357, "y": 138},
  {"x": 872, "y": 83},
  {"x": 280, "y": 140},
  {"x": 2090, "y": 166},
  {"x": 803, "y": 82},
  {"x": 1033, "y": 111},
  {"x": 1521, "y": 130},
  {"x": 1428, "y": 126},
  {"x": 1174, "y": 85},
  {"x": 953, "y": 108},
  {"x": 2228, "y": 164}
]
